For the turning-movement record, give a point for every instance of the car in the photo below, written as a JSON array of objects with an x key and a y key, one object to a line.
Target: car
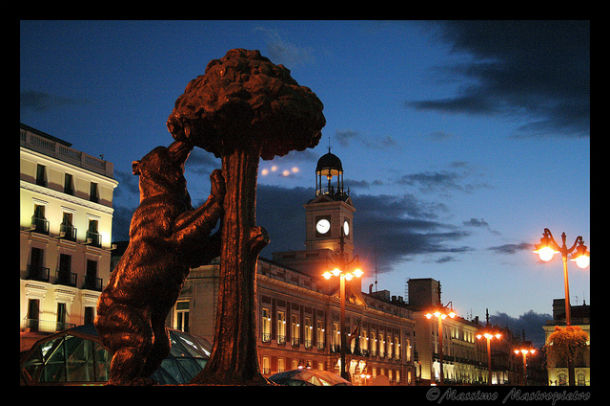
[
  {"x": 308, "y": 377},
  {"x": 76, "y": 356}
]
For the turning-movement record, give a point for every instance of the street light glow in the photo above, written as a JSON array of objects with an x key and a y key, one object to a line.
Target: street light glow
[{"x": 546, "y": 253}]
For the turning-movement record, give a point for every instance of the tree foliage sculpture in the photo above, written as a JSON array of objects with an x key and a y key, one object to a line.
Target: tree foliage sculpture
[
  {"x": 243, "y": 108},
  {"x": 565, "y": 345}
]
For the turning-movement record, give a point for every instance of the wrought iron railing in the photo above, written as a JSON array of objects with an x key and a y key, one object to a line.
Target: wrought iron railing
[{"x": 38, "y": 273}]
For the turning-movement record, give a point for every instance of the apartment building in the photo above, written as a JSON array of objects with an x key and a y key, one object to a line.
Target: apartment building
[{"x": 65, "y": 233}]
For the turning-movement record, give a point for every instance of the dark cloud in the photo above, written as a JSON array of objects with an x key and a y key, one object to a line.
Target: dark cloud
[
  {"x": 388, "y": 228},
  {"x": 440, "y": 181},
  {"x": 531, "y": 323},
  {"x": 536, "y": 70},
  {"x": 39, "y": 102},
  {"x": 511, "y": 248},
  {"x": 345, "y": 137},
  {"x": 121, "y": 218},
  {"x": 128, "y": 185}
]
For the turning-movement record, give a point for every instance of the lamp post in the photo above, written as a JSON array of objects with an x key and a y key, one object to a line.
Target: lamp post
[
  {"x": 441, "y": 315},
  {"x": 548, "y": 247},
  {"x": 343, "y": 275},
  {"x": 489, "y": 335},
  {"x": 525, "y": 352}
]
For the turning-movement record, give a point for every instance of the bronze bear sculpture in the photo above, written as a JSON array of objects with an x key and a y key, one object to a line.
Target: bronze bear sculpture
[{"x": 167, "y": 237}]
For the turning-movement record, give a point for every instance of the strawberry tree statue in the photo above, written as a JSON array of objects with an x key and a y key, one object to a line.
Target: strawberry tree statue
[{"x": 243, "y": 108}]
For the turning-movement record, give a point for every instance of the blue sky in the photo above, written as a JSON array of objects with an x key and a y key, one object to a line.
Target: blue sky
[{"x": 460, "y": 141}]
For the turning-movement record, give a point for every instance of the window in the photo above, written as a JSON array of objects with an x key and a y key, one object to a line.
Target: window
[
  {"x": 65, "y": 276},
  {"x": 308, "y": 333},
  {"x": 61, "y": 316},
  {"x": 33, "y": 314},
  {"x": 266, "y": 325},
  {"x": 89, "y": 315},
  {"x": 373, "y": 342},
  {"x": 66, "y": 229},
  {"x": 40, "y": 224},
  {"x": 364, "y": 341},
  {"x": 68, "y": 184},
  {"x": 182, "y": 316},
  {"x": 266, "y": 366},
  {"x": 93, "y": 193},
  {"x": 281, "y": 365},
  {"x": 396, "y": 347},
  {"x": 336, "y": 337},
  {"x": 295, "y": 329},
  {"x": 36, "y": 270},
  {"x": 281, "y": 327},
  {"x": 93, "y": 236},
  {"x": 91, "y": 280},
  {"x": 41, "y": 175},
  {"x": 381, "y": 343},
  {"x": 320, "y": 334}
]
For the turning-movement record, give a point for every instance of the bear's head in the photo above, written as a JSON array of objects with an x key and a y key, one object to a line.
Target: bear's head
[{"x": 161, "y": 172}]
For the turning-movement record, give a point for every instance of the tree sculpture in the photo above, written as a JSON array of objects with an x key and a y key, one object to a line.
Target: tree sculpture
[
  {"x": 565, "y": 345},
  {"x": 243, "y": 107}
]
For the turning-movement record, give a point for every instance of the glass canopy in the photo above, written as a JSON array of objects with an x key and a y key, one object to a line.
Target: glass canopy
[{"x": 76, "y": 356}]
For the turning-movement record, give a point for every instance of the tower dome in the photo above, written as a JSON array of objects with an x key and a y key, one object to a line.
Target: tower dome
[{"x": 329, "y": 166}]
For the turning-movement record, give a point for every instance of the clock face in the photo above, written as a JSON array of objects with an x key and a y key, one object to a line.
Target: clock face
[
  {"x": 322, "y": 226},
  {"x": 345, "y": 227}
]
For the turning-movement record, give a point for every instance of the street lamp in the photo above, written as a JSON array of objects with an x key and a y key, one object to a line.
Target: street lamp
[
  {"x": 343, "y": 275},
  {"x": 525, "y": 352},
  {"x": 441, "y": 314},
  {"x": 548, "y": 247},
  {"x": 489, "y": 335}
]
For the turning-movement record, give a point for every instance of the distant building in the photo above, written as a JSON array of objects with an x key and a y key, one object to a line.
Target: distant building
[
  {"x": 463, "y": 360},
  {"x": 298, "y": 311},
  {"x": 579, "y": 316},
  {"x": 65, "y": 233}
]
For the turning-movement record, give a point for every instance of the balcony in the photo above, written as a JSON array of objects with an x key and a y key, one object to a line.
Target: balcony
[
  {"x": 40, "y": 225},
  {"x": 65, "y": 277},
  {"x": 281, "y": 339},
  {"x": 295, "y": 341},
  {"x": 266, "y": 337},
  {"x": 38, "y": 273},
  {"x": 67, "y": 231},
  {"x": 92, "y": 283},
  {"x": 94, "y": 239}
]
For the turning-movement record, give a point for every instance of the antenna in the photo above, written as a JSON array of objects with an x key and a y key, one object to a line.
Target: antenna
[{"x": 329, "y": 143}]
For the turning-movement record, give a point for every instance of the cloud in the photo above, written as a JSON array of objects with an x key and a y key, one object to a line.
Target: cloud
[
  {"x": 511, "y": 248},
  {"x": 345, "y": 137},
  {"x": 39, "y": 102},
  {"x": 283, "y": 52},
  {"x": 479, "y": 223},
  {"x": 121, "y": 218},
  {"x": 531, "y": 323},
  {"x": 535, "y": 70},
  {"x": 441, "y": 181}
]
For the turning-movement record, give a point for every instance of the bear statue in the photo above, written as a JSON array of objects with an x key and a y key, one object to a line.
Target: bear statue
[{"x": 167, "y": 237}]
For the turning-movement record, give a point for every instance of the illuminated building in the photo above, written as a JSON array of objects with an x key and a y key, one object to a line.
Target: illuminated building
[
  {"x": 298, "y": 314},
  {"x": 580, "y": 317},
  {"x": 65, "y": 233}
]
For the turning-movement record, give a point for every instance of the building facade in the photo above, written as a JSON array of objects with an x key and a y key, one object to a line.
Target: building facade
[
  {"x": 580, "y": 317},
  {"x": 298, "y": 311},
  {"x": 65, "y": 233}
]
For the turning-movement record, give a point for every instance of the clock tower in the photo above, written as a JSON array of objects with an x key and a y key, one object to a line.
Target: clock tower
[
  {"x": 329, "y": 222},
  {"x": 329, "y": 216}
]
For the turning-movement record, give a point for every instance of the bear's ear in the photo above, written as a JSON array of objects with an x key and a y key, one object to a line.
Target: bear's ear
[{"x": 135, "y": 167}]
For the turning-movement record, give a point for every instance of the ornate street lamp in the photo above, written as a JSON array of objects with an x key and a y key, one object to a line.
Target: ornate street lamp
[
  {"x": 548, "y": 247},
  {"x": 524, "y": 352},
  {"x": 489, "y": 335},
  {"x": 440, "y": 314},
  {"x": 343, "y": 274}
]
